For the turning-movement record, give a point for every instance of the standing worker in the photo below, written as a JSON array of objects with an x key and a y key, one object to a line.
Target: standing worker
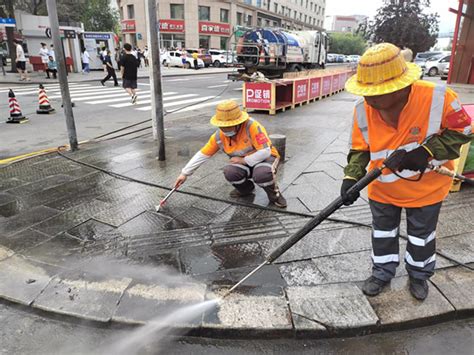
[
  {"x": 44, "y": 54},
  {"x": 399, "y": 111},
  {"x": 128, "y": 70},
  {"x": 251, "y": 153},
  {"x": 110, "y": 70},
  {"x": 195, "y": 60}
]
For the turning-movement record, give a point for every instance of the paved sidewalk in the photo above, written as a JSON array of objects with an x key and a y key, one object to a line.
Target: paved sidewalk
[
  {"x": 96, "y": 75},
  {"x": 77, "y": 242}
]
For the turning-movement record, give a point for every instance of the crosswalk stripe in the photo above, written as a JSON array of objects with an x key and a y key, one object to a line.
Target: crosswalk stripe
[
  {"x": 30, "y": 87},
  {"x": 205, "y": 104},
  {"x": 216, "y": 86},
  {"x": 141, "y": 102},
  {"x": 122, "y": 96},
  {"x": 35, "y": 91},
  {"x": 176, "y": 103},
  {"x": 176, "y": 80},
  {"x": 91, "y": 93}
]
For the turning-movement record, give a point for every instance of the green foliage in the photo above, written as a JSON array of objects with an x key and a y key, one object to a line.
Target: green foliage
[
  {"x": 346, "y": 43},
  {"x": 403, "y": 23},
  {"x": 97, "y": 15}
]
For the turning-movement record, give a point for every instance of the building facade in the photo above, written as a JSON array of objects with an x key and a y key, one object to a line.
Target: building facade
[
  {"x": 210, "y": 23},
  {"x": 344, "y": 23}
]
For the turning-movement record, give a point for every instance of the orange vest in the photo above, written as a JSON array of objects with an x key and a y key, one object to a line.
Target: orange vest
[
  {"x": 251, "y": 137},
  {"x": 429, "y": 110}
]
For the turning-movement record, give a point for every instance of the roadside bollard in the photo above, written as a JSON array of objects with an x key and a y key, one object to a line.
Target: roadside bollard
[{"x": 279, "y": 142}]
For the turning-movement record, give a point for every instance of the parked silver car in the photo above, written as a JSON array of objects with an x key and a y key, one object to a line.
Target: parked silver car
[
  {"x": 435, "y": 66},
  {"x": 422, "y": 57},
  {"x": 445, "y": 73}
]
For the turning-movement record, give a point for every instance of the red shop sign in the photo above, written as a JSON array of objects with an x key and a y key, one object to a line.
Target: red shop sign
[
  {"x": 314, "y": 87},
  {"x": 214, "y": 28},
  {"x": 128, "y": 26},
  {"x": 326, "y": 85},
  {"x": 176, "y": 26},
  {"x": 301, "y": 90},
  {"x": 258, "y": 95}
]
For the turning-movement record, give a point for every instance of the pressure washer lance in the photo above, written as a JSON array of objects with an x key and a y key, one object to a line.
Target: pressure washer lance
[
  {"x": 163, "y": 201},
  {"x": 445, "y": 171},
  {"x": 392, "y": 163}
]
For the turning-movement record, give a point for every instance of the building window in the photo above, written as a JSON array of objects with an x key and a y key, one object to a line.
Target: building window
[
  {"x": 259, "y": 22},
  {"x": 224, "y": 42},
  {"x": 305, "y": 18},
  {"x": 295, "y": 13},
  {"x": 310, "y": 20},
  {"x": 259, "y": 3},
  {"x": 239, "y": 18},
  {"x": 130, "y": 11},
  {"x": 121, "y": 12},
  {"x": 275, "y": 24},
  {"x": 204, "y": 41},
  {"x": 177, "y": 11},
  {"x": 225, "y": 15},
  {"x": 267, "y": 23},
  {"x": 169, "y": 41},
  {"x": 204, "y": 13},
  {"x": 275, "y": 6},
  {"x": 249, "y": 20}
]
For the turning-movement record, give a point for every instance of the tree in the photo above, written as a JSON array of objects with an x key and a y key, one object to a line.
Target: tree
[
  {"x": 403, "y": 23},
  {"x": 346, "y": 43},
  {"x": 8, "y": 10},
  {"x": 34, "y": 7},
  {"x": 97, "y": 15}
]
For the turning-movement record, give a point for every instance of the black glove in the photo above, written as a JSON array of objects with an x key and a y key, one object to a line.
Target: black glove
[
  {"x": 416, "y": 160},
  {"x": 349, "y": 199}
]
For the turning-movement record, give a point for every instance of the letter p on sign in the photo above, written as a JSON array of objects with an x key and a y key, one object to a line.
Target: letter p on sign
[{"x": 250, "y": 93}]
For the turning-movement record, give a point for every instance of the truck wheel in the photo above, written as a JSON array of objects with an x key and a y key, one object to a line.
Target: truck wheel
[{"x": 294, "y": 68}]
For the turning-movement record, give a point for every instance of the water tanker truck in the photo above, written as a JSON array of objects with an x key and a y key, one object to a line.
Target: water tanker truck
[{"x": 274, "y": 51}]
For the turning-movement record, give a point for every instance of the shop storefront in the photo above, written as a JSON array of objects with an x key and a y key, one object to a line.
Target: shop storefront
[
  {"x": 172, "y": 34},
  {"x": 213, "y": 34}
]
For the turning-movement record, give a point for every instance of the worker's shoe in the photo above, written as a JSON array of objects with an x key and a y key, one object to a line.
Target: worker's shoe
[
  {"x": 418, "y": 288},
  {"x": 242, "y": 190},
  {"x": 275, "y": 196},
  {"x": 373, "y": 286}
]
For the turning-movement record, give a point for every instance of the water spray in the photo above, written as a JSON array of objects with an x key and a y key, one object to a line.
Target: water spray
[{"x": 392, "y": 163}]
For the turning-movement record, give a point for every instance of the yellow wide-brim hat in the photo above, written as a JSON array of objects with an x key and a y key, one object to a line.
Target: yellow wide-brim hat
[
  {"x": 382, "y": 70},
  {"x": 228, "y": 114}
]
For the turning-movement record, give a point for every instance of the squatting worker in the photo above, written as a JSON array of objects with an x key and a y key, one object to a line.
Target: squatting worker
[
  {"x": 251, "y": 153},
  {"x": 400, "y": 112}
]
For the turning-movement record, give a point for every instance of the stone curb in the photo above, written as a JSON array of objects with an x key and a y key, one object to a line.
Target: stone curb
[{"x": 329, "y": 310}]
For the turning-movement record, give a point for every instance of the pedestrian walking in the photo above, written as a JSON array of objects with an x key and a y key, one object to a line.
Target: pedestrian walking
[
  {"x": 85, "y": 62},
  {"x": 52, "y": 68},
  {"x": 146, "y": 55},
  {"x": 398, "y": 111},
  {"x": 128, "y": 71},
  {"x": 110, "y": 69},
  {"x": 44, "y": 54},
  {"x": 195, "y": 61},
  {"x": 118, "y": 56},
  {"x": 21, "y": 61},
  {"x": 253, "y": 159}
]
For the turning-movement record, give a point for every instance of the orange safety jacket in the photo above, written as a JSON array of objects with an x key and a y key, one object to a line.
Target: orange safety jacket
[
  {"x": 429, "y": 110},
  {"x": 251, "y": 137}
]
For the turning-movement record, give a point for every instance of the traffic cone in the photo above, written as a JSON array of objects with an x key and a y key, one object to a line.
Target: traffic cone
[
  {"x": 44, "y": 105},
  {"x": 261, "y": 57},
  {"x": 15, "y": 112}
]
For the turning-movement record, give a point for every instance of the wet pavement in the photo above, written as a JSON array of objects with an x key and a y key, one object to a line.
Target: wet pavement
[{"x": 80, "y": 243}]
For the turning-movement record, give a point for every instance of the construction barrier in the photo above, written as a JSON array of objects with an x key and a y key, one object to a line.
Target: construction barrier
[{"x": 294, "y": 90}]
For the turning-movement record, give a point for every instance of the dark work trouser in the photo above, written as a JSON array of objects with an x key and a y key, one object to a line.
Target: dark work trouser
[
  {"x": 110, "y": 74},
  {"x": 263, "y": 174},
  {"x": 421, "y": 246}
]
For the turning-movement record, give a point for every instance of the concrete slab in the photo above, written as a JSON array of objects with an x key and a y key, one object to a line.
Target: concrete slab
[
  {"x": 90, "y": 230},
  {"x": 144, "y": 302},
  {"x": 22, "y": 280},
  {"x": 82, "y": 295},
  {"x": 24, "y": 240},
  {"x": 301, "y": 273},
  {"x": 457, "y": 285},
  {"x": 348, "y": 267},
  {"x": 243, "y": 314},
  {"x": 26, "y": 219},
  {"x": 459, "y": 247},
  {"x": 396, "y": 306},
  {"x": 333, "y": 307}
]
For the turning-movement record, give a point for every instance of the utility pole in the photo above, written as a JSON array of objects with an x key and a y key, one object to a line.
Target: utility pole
[
  {"x": 155, "y": 79},
  {"x": 62, "y": 73}
]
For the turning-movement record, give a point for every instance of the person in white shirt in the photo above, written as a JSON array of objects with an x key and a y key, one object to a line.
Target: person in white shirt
[
  {"x": 21, "y": 61},
  {"x": 51, "y": 52},
  {"x": 85, "y": 62},
  {"x": 44, "y": 54}
]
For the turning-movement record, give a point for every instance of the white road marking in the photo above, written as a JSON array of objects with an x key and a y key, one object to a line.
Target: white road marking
[
  {"x": 205, "y": 104},
  {"x": 216, "y": 86},
  {"x": 177, "y": 103},
  {"x": 142, "y": 102},
  {"x": 124, "y": 96}
]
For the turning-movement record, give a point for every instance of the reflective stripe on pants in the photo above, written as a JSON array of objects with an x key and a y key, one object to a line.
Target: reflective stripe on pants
[
  {"x": 421, "y": 246},
  {"x": 263, "y": 174}
]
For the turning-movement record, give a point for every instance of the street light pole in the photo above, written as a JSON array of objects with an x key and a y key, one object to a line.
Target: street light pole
[
  {"x": 62, "y": 73},
  {"x": 155, "y": 79}
]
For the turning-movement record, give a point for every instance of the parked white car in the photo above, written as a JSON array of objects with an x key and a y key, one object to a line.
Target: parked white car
[
  {"x": 175, "y": 59},
  {"x": 354, "y": 58},
  {"x": 220, "y": 57},
  {"x": 445, "y": 73},
  {"x": 435, "y": 66}
]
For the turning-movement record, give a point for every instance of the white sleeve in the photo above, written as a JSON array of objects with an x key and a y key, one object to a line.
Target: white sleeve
[
  {"x": 258, "y": 156},
  {"x": 196, "y": 161}
]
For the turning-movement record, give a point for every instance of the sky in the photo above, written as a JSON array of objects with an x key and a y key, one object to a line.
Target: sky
[{"x": 369, "y": 8}]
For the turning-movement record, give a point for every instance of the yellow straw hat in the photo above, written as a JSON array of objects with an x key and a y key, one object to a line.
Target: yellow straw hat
[
  {"x": 228, "y": 114},
  {"x": 382, "y": 70}
]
